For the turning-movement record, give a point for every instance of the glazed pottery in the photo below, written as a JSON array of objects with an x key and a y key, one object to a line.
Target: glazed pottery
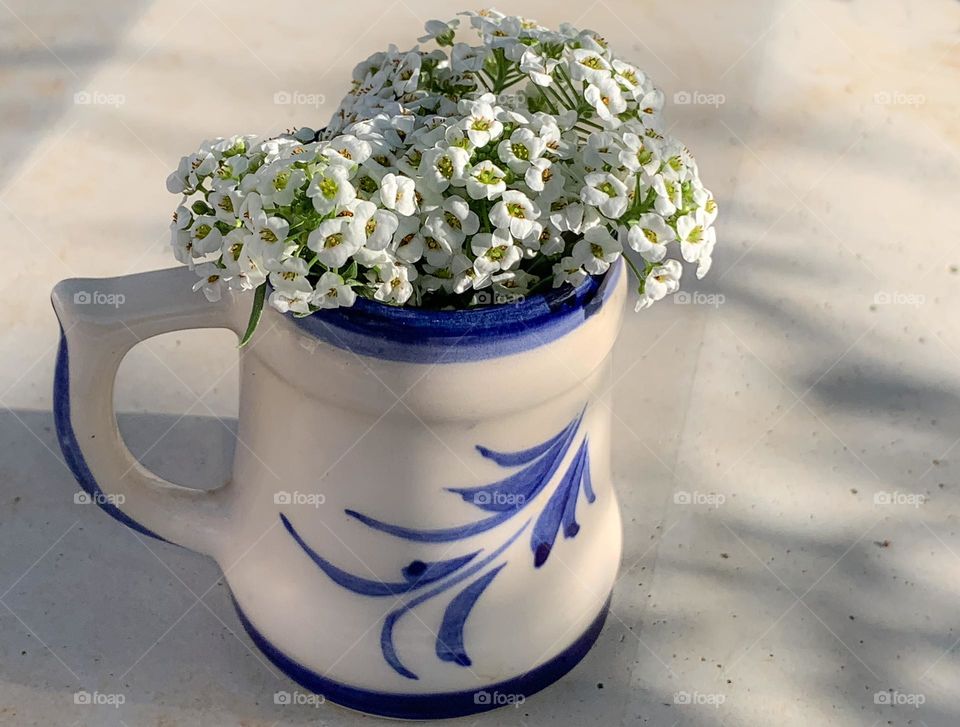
[{"x": 421, "y": 521}]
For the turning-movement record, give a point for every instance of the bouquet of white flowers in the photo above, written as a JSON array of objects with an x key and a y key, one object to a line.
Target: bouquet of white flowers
[{"x": 531, "y": 160}]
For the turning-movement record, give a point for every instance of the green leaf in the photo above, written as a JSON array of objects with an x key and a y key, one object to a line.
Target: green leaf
[
  {"x": 200, "y": 207},
  {"x": 255, "y": 313}
]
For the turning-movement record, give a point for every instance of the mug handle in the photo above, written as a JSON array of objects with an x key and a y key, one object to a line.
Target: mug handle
[{"x": 100, "y": 321}]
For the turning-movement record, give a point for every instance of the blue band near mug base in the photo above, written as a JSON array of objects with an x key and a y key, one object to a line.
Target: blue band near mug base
[{"x": 439, "y": 705}]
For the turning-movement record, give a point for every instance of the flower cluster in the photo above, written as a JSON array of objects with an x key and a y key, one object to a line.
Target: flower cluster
[{"x": 532, "y": 159}]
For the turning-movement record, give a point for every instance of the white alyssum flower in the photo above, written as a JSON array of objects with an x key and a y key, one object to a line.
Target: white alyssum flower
[
  {"x": 539, "y": 174},
  {"x": 494, "y": 251},
  {"x": 279, "y": 183},
  {"x": 398, "y": 193},
  {"x": 606, "y": 98},
  {"x": 639, "y": 154},
  {"x": 589, "y": 65},
  {"x": 334, "y": 241},
  {"x": 522, "y": 149},
  {"x": 629, "y": 77},
  {"x": 270, "y": 237},
  {"x": 331, "y": 188},
  {"x": 512, "y": 286},
  {"x": 485, "y": 181},
  {"x": 441, "y": 167},
  {"x": 569, "y": 271},
  {"x": 332, "y": 292},
  {"x": 649, "y": 237},
  {"x": 226, "y": 205},
  {"x": 604, "y": 191},
  {"x": 292, "y": 290},
  {"x": 466, "y": 59},
  {"x": 538, "y": 68},
  {"x": 597, "y": 250},
  {"x": 205, "y": 236},
  {"x": 211, "y": 281},
  {"x": 705, "y": 259},
  {"x": 669, "y": 195},
  {"x": 452, "y": 223},
  {"x": 348, "y": 150},
  {"x": 482, "y": 125},
  {"x": 516, "y": 213},
  {"x": 442, "y": 32},
  {"x": 691, "y": 234},
  {"x": 379, "y": 229},
  {"x": 460, "y": 173},
  {"x": 661, "y": 281},
  {"x": 393, "y": 283}
]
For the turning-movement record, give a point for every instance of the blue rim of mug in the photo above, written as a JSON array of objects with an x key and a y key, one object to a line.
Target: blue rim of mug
[{"x": 416, "y": 335}]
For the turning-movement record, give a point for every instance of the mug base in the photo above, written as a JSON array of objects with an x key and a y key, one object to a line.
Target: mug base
[{"x": 438, "y": 705}]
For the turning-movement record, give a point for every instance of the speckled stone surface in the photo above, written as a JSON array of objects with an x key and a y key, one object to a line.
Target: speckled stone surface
[{"x": 773, "y": 433}]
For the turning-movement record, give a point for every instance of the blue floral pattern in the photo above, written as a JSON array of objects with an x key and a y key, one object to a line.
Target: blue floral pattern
[{"x": 501, "y": 501}]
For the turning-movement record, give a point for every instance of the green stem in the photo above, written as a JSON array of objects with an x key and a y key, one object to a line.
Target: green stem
[
  {"x": 566, "y": 78},
  {"x": 547, "y": 101},
  {"x": 255, "y": 313},
  {"x": 510, "y": 80},
  {"x": 590, "y": 123},
  {"x": 569, "y": 99},
  {"x": 481, "y": 77},
  {"x": 558, "y": 98}
]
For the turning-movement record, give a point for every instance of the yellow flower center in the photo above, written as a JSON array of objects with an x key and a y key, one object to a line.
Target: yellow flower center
[{"x": 515, "y": 209}]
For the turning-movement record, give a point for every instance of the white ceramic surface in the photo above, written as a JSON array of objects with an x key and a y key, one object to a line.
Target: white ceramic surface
[{"x": 334, "y": 435}]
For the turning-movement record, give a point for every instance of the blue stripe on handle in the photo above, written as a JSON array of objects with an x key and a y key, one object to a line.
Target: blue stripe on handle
[{"x": 71, "y": 447}]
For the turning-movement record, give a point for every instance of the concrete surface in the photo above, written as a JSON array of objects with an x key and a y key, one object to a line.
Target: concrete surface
[{"x": 774, "y": 433}]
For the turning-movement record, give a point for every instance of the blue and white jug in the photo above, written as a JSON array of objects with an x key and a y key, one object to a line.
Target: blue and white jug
[{"x": 421, "y": 521}]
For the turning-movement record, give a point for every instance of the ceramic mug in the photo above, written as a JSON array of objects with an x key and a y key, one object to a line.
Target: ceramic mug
[{"x": 420, "y": 521}]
